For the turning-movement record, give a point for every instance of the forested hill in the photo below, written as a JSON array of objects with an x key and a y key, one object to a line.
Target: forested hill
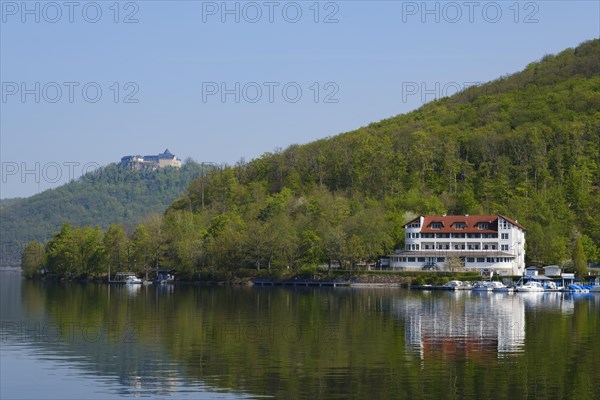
[
  {"x": 109, "y": 195},
  {"x": 525, "y": 145}
]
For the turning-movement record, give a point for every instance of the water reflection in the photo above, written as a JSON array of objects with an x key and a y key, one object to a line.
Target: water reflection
[
  {"x": 186, "y": 341},
  {"x": 463, "y": 324}
]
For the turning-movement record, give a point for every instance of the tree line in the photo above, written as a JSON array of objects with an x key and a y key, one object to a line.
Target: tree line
[
  {"x": 110, "y": 195},
  {"x": 529, "y": 149}
]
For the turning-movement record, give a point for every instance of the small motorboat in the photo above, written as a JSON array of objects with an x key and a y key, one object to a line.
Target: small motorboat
[
  {"x": 482, "y": 287},
  {"x": 500, "y": 287},
  {"x": 133, "y": 280},
  {"x": 456, "y": 285},
  {"x": 551, "y": 287},
  {"x": 531, "y": 286}
]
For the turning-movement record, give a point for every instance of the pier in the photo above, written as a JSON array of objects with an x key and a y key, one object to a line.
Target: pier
[{"x": 300, "y": 282}]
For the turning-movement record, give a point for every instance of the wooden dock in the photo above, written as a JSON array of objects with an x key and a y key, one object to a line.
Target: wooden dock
[{"x": 300, "y": 282}]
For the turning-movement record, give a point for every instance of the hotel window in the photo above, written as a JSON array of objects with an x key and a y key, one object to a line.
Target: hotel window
[
  {"x": 440, "y": 259},
  {"x": 411, "y": 259},
  {"x": 470, "y": 259},
  {"x": 493, "y": 247},
  {"x": 483, "y": 225},
  {"x": 480, "y": 259},
  {"x": 490, "y": 259},
  {"x": 421, "y": 259},
  {"x": 485, "y": 246},
  {"x": 459, "y": 225},
  {"x": 505, "y": 236},
  {"x": 436, "y": 225},
  {"x": 504, "y": 247}
]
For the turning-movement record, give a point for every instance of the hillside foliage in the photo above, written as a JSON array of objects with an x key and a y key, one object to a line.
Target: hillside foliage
[
  {"x": 109, "y": 195},
  {"x": 526, "y": 146}
]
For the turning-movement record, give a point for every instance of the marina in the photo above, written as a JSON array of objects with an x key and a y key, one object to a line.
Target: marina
[{"x": 522, "y": 286}]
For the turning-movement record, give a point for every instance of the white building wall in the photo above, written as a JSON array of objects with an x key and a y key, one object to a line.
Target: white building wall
[{"x": 510, "y": 240}]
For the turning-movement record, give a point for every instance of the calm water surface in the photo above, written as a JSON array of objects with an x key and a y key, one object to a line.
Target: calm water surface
[{"x": 100, "y": 342}]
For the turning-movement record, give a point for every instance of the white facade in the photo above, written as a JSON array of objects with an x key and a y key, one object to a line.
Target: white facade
[{"x": 479, "y": 242}]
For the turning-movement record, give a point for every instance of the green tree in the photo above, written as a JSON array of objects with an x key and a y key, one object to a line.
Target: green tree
[
  {"x": 579, "y": 260},
  {"x": 117, "y": 248},
  {"x": 32, "y": 259}
]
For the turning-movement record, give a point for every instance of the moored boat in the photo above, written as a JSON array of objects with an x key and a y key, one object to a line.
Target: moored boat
[
  {"x": 531, "y": 286},
  {"x": 551, "y": 286},
  {"x": 499, "y": 287},
  {"x": 453, "y": 285},
  {"x": 482, "y": 287},
  {"x": 133, "y": 280}
]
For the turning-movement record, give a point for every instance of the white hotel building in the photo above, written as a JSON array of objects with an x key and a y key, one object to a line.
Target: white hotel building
[{"x": 492, "y": 242}]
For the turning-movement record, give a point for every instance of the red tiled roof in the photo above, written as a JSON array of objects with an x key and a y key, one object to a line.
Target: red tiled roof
[{"x": 471, "y": 223}]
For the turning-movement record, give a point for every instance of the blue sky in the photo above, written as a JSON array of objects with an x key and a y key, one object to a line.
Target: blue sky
[{"x": 88, "y": 82}]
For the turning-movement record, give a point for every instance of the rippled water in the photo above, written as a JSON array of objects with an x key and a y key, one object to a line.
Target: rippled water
[{"x": 98, "y": 341}]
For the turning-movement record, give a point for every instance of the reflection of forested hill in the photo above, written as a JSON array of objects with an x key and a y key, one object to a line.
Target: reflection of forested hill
[
  {"x": 326, "y": 343},
  {"x": 95, "y": 330}
]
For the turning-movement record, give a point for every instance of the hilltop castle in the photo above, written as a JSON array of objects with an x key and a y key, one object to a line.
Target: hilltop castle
[{"x": 162, "y": 160}]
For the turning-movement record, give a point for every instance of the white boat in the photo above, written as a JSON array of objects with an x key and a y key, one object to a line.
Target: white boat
[
  {"x": 457, "y": 285},
  {"x": 482, "y": 287},
  {"x": 499, "y": 287},
  {"x": 551, "y": 286},
  {"x": 132, "y": 280},
  {"x": 531, "y": 286},
  {"x": 453, "y": 285},
  {"x": 127, "y": 278}
]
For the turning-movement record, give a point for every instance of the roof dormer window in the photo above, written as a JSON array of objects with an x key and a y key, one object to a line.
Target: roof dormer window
[
  {"x": 459, "y": 225},
  {"x": 436, "y": 225},
  {"x": 483, "y": 225}
]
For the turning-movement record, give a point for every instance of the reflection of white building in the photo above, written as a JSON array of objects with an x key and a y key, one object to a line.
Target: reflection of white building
[
  {"x": 476, "y": 241},
  {"x": 463, "y": 323}
]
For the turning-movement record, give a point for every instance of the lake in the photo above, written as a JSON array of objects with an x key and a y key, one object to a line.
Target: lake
[{"x": 69, "y": 340}]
